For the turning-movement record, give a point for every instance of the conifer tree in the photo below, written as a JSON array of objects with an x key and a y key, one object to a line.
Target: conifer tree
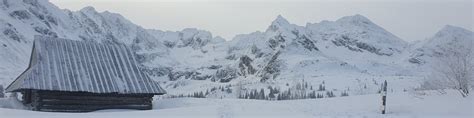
[{"x": 262, "y": 94}]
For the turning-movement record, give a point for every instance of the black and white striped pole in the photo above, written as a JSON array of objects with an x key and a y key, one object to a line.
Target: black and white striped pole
[{"x": 384, "y": 96}]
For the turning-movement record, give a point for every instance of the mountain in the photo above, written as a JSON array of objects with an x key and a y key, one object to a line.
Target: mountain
[
  {"x": 353, "y": 41},
  {"x": 424, "y": 52},
  {"x": 358, "y": 41},
  {"x": 351, "y": 54},
  {"x": 359, "y": 34},
  {"x": 21, "y": 20}
]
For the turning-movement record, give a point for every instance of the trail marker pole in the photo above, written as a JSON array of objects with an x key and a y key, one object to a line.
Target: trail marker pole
[{"x": 384, "y": 96}]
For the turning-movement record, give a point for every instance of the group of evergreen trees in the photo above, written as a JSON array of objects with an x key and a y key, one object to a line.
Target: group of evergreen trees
[
  {"x": 329, "y": 94},
  {"x": 288, "y": 95},
  {"x": 254, "y": 94},
  {"x": 301, "y": 90},
  {"x": 200, "y": 94},
  {"x": 344, "y": 93},
  {"x": 321, "y": 87},
  {"x": 275, "y": 94}
]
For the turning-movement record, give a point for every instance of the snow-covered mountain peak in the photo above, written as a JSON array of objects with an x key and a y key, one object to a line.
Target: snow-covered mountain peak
[
  {"x": 448, "y": 37},
  {"x": 188, "y": 37},
  {"x": 88, "y": 9},
  {"x": 195, "y": 38},
  {"x": 450, "y": 30},
  {"x": 280, "y": 20},
  {"x": 279, "y": 23},
  {"x": 218, "y": 39},
  {"x": 454, "y": 28},
  {"x": 450, "y": 34},
  {"x": 357, "y": 33},
  {"x": 361, "y": 24},
  {"x": 355, "y": 19}
]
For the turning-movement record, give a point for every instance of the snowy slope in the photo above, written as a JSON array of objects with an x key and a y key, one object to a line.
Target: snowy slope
[
  {"x": 21, "y": 20},
  {"x": 399, "y": 105},
  {"x": 423, "y": 52},
  {"x": 286, "y": 55},
  {"x": 360, "y": 42}
]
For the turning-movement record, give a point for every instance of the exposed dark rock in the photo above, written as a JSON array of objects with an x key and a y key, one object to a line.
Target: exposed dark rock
[
  {"x": 304, "y": 41},
  {"x": 307, "y": 43},
  {"x": 370, "y": 48},
  {"x": 45, "y": 31},
  {"x": 225, "y": 75},
  {"x": 346, "y": 42},
  {"x": 357, "y": 46},
  {"x": 415, "y": 61},
  {"x": 169, "y": 44},
  {"x": 245, "y": 66},
  {"x": 11, "y": 33},
  {"x": 256, "y": 51},
  {"x": 214, "y": 67},
  {"x": 36, "y": 13},
  {"x": 142, "y": 58},
  {"x": 272, "y": 68},
  {"x": 276, "y": 41},
  {"x": 51, "y": 20},
  {"x": 157, "y": 71},
  {"x": 201, "y": 77},
  {"x": 231, "y": 57},
  {"x": 195, "y": 42},
  {"x": 173, "y": 76},
  {"x": 20, "y": 14}
]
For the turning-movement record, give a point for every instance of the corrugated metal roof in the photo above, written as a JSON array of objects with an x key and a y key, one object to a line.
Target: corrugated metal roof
[{"x": 68, "y": 65}]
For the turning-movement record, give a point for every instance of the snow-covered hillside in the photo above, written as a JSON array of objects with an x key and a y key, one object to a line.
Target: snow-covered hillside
[
  {"x": 350, "y": 55},
  {"x": 21, "y": 20},
  {"x": 422, "y": 52}
]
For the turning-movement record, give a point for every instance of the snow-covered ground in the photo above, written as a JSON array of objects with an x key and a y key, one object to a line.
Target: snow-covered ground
[{"x": 405, "y": 104}]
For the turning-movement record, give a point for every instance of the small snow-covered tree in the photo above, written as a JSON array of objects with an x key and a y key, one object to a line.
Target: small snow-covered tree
[
  {"x": 271, "y": 96},
  {"x": 454, "y": 69},
  {"x": 239, "y": 90}
]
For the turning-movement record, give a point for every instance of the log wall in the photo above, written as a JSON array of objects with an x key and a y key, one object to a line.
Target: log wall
[{"x": 84, "y": 101}]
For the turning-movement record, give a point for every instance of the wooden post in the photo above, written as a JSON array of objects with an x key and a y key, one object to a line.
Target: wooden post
[{"x": 384, "y": 96}]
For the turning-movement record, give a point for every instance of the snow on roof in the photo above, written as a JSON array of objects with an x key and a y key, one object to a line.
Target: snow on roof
[{"x": 78, "y": 66}]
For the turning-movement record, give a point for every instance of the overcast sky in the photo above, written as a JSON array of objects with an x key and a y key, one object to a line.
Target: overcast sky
[{"x": 408, "y": 19}]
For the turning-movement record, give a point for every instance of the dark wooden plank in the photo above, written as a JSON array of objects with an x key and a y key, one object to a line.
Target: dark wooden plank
[
  {"x": 96, "y": 98},
  {"x": 49, "y": 93},
  {"x": 86, "y": 108},
  {"x": 94, "y": 102}
]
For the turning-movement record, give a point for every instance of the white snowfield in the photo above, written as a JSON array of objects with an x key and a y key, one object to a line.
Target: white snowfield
[{"x": 399, "y": 105}]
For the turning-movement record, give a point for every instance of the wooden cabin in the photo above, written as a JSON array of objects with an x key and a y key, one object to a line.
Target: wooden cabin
[{"x": 68, "y": 75}]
